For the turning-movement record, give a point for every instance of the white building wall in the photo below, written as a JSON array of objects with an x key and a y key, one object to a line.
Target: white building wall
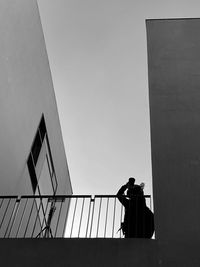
[{"x": 26, "y": 91}]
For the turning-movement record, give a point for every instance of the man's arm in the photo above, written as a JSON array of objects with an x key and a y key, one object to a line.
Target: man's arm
[{"x": 120, "y": 195}]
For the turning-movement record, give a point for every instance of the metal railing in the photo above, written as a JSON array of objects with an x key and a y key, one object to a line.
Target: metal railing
[{"x": 79, "y": 216}]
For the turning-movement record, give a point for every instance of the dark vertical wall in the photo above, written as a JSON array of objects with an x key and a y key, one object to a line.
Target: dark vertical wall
[{"x": 174, "y": 88}]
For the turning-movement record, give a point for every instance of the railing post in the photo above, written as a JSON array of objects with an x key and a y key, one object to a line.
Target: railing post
[
  {"x": 73, "y": 218},
  {"x": 93, "y": 201},
  {"x": 106, "y": 217},
  {"x": 99, "y": 217},
  {"x": 114, "y": 217},
  {"x": 81, "y": 217},
  {"x": 88, "y": 219},
  {"x": 58, "y": 217}
]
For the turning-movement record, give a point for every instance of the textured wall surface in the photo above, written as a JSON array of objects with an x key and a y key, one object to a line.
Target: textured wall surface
[
  {"x": 78, "y": 252},
  {"x": 98, "y": 252},
  {"x": 174, "y": 90}
]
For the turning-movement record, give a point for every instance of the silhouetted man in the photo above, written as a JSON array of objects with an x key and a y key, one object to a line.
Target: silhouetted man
[{"x": 138, "y": 219}]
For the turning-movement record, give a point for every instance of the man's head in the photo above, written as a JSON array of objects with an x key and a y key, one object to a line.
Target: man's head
[{"x": 131, "y": 182}]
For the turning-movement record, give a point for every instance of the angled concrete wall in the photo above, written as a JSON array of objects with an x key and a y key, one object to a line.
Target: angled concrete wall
[
  {"x": 174, "y": 91},
  {"x": 26, "y": 91}
]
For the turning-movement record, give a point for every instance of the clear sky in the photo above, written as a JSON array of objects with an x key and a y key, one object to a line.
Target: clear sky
[{"x": 98, "y": 58}]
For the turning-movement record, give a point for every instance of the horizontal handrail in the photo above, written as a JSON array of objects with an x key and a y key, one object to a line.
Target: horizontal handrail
[
  {"x": 56, "y": 196},
  {"x": 11, "y": 196},
  {"x": 105, "y": 196},
  {"x": 62, "y": 196}
]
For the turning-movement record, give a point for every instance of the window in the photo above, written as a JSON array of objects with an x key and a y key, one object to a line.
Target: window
[
  {"x": 32, "y": 172},
  {"x": 36, "y": 147},
  {"x": 40, "y": 163}
]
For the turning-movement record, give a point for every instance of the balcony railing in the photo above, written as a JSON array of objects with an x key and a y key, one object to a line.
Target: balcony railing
[{"x": 80, "y": 216}]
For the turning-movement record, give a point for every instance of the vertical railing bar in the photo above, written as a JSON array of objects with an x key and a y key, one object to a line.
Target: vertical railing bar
[
  {"x": 66, "y": 216},
  {"x": 121, "y": 220},
  {"x": 10, "y": 219},
  {"x": 5, "y": 213},
  {"x": 19, "y": 226},
  {"x": 88, "y": 217},
  {"x": 81, "y": 216},
  {"x": 14, "y": 217},
  {"x": 150, "y": 204},
  {"x": 73, "y": 217},
  {"x": 45, "y": 213},
  {"x": 106, "y": 217},
  {"x": 58, "y": 218},
  {"x": 38, "y": 209},
  {"x": 99, "y": 217},
  {"x": 49, "y": 220},
  {"x": 93, "y": 200},
  {"x": 43, "y": 223},
  {"x": 1, "y": 202},
  {"x": 46, "y": 227},
  {"x": 29, "y": 218},
  {"x": 114, "y": 218}
]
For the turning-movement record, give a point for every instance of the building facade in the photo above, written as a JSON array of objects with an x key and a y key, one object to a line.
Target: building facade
[{"x": 32, "y": 154}]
